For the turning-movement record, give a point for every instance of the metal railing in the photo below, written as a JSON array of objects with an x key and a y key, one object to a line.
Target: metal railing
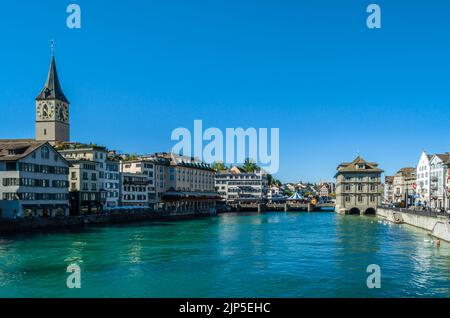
[{"x": 422, "y": 212}]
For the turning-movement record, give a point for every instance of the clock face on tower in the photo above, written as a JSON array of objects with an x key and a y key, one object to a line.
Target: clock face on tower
[
  {"x": 47, "y": 111},
  {"x": 62, "y": 113},
  {"x": 44, "y": 111}
]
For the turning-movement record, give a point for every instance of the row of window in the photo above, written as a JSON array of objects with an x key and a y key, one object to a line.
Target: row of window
[
  {"x": 32, "y": 196},
  {"x": 135, "y": 188},
  {"x": 133, "y": 197},
  {"x": 28, "y": 182},
  {"x": 360, "y": 187},
  {"x": 242, "y": 183},
  {"x": 30, "y": 167},
  {"x": 360, "y": 198},
  {"x": 241, "y": 177}
]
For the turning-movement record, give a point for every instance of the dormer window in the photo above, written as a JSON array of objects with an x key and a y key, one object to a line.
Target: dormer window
[{"x": 360, "y": 166}]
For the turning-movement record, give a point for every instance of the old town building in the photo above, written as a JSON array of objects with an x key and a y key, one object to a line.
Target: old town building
[
  {"x": 236, "y": 185},
  {"x": 423, "y": 182},
  {"x": 403, "y": 186},
  {"x": 145, "y": 167},
  {"x": 358, "y": 187},
  {"x": 438, "y": 172},
  {"x": 33, "y": 180},
  {"x": 388, "y": 189},
  {"x": 133, "y": 189},
  {"x": 188, "y": 183}
]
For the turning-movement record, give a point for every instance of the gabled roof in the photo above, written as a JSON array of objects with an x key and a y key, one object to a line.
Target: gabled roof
[
  {"x": 443, "y": 157},
  {"x": 352, "y": 166},
  {"x": 52, "y": 89},
  {"x": 16, "y": 149},
  {"x": 407, "y": 171}
]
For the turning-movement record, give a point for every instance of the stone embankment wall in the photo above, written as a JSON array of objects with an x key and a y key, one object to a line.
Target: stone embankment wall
[
  {"x": 438, "y": 226},
  {"x": 8, "y": 226}
]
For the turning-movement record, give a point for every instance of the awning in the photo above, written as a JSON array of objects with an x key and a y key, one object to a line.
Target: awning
[{"x": 296, "y": 196}]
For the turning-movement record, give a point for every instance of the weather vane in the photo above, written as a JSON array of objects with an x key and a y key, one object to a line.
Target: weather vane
[{"x": 52, "y": 45}]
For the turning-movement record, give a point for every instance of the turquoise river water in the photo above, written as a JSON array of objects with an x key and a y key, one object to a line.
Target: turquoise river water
[{"x": 251, "y": 255}]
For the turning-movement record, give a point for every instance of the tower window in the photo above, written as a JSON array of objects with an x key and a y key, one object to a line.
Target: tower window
[{"x": 45, "y": 132}]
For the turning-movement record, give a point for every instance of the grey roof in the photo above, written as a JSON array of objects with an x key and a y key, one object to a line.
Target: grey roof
[
  {"x": 52, "y": 88},
  {"x": 444, "y": 157},
  {"x": 16, "y": 149},
  {"x": 407, "y": 172}
]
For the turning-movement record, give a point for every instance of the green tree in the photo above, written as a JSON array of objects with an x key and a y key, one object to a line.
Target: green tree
[
  {"x": 273, "y": 181},
  {"x": 250, "y": 166},
  {"x": 218, "y": 166},
  {"x": 288, "y": 192}
]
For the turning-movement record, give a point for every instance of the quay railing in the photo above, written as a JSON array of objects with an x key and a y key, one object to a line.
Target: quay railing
[{"x": 421, "y": 212}]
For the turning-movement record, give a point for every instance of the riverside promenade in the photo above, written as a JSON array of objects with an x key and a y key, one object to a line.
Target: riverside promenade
[
  {"x": 13, "y": 226},
  {"x": 437, "y": 224}
]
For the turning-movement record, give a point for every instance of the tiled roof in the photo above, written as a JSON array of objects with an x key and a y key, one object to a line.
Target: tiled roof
[
  {"x": 16, "y": 149},
  {"x": 407, "y": 171},
  {"x": 351, "y": 167},
  {"x": 443, "y": 157}
]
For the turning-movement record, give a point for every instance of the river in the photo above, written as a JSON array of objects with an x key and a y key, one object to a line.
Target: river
[{"x": 250, "y": 255}]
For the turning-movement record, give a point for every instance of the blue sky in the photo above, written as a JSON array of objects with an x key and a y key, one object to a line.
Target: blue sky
[{"x": 139, "y": 69}]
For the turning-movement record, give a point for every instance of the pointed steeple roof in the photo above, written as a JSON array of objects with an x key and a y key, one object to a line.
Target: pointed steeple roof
[{"x": 52, "y": 88}]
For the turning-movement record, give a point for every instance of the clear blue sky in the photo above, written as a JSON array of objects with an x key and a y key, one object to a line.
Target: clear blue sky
[{"x": 138, "y": 69}]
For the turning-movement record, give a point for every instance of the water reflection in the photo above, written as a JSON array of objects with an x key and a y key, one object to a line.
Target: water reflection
[{"x": 253, "y": 255}]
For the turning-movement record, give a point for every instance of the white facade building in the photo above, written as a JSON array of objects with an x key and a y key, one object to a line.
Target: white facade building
[
  {"x": 438, "y": 171},
  {"x": 145, "y": 167},
  {"x": 236, "y": 185},
  {"x": 423, "y": 179},
  {"x": 107, "y": 169},
  {"x": 133, "y": 189},
  {"x": 33, "y": 180},
  {"x": 275, "y": 193}
]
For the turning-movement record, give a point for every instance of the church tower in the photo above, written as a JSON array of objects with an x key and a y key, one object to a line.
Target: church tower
[{"x": 52, "y": 110}]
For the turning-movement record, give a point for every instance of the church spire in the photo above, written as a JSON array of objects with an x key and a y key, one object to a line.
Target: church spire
[{"x": 52, "y": 88}]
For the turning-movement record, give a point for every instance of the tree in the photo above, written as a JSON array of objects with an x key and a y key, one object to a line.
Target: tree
[
  {"x": 218, "y": 166},
  {"x": 250, "y": 166},
  {"x": 288, "y": 192},
  {"x": 273, "y": 181}
]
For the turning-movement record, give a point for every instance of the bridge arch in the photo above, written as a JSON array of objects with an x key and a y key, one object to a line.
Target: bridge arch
[
  {"x": 353, "y": 211},
  {"x": 370, "y": 211}
]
